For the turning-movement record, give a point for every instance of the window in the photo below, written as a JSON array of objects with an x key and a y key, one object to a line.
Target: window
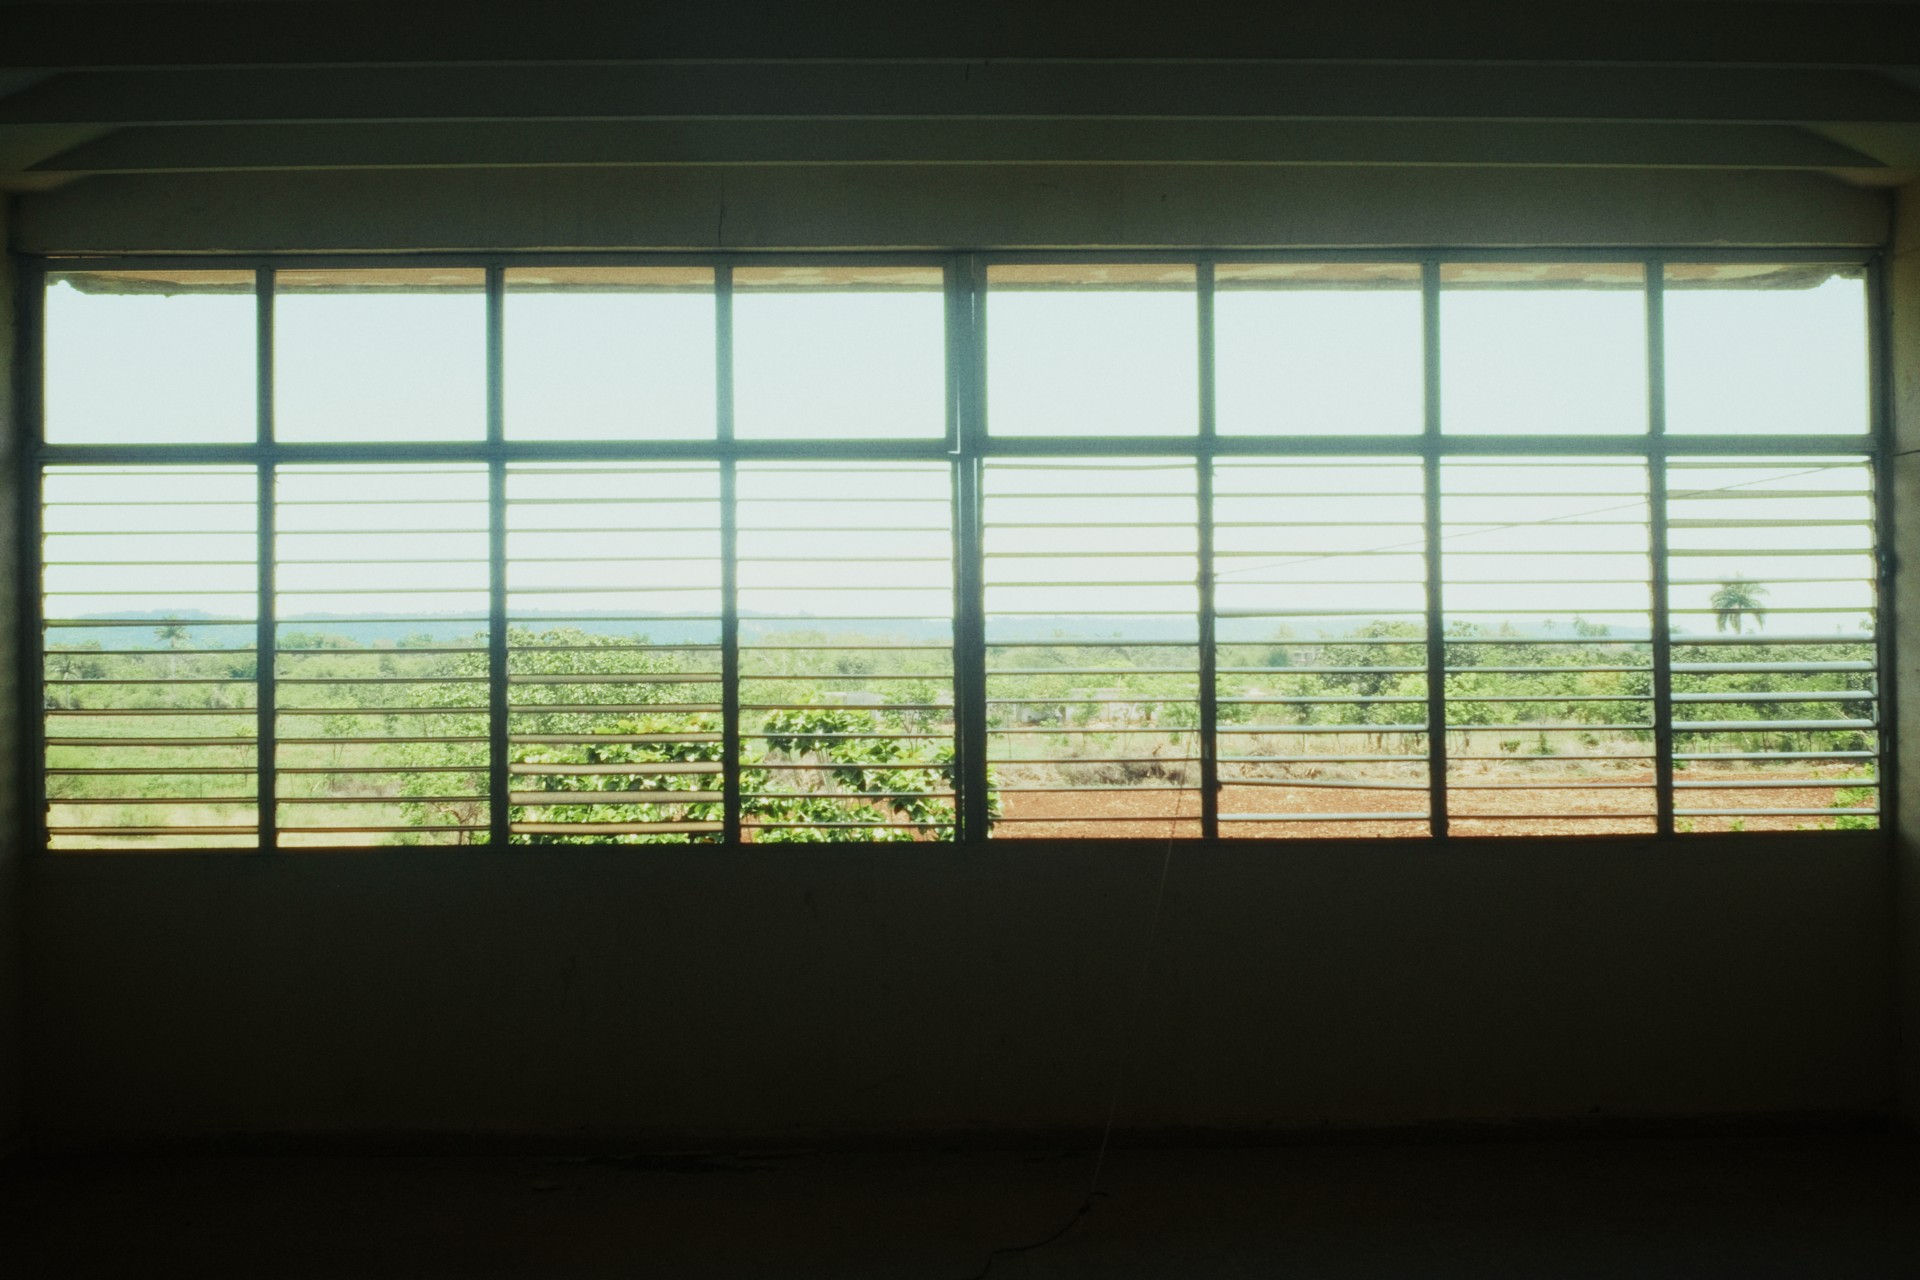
[{"x": 661, "y": 550}]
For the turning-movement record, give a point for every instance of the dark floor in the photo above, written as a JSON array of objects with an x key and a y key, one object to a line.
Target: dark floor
[{"x": 1826, "y": 1206}]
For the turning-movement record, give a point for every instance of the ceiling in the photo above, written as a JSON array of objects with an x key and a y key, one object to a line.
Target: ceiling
[{"x": 272, "y": 86}]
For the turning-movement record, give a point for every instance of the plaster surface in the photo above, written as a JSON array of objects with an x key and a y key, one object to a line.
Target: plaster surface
[
  {"x": 904, "y": 206},
  {"x": 422, "y": 999}
]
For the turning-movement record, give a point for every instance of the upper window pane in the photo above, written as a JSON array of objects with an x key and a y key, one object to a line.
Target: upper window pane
[
  {"x": 1092, "y": 350},
  {"x": 609, "y": 353},
  {"x": 847, "y": 353},
  {"x": 1543, "y": 349},
  {"x": 1318, "y": 348},
  {"x": 150, "y": 357},
  {"x": 1754, "y": 349},
  {"x": 380, "y": 355}
]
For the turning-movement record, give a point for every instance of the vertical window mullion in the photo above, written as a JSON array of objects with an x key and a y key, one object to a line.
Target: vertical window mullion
[
  {"x": 1208, "y": 656},
  {"x": 29, "y": 387},
  {"x": 1662, "y": 631},
  {"x": 729, "y": 559},
  {"x": 967, "y": 317},
  {"x": 266, "y": 634},
  {"x": 499, "y": 776},
  {"x": 1436, "y": 617}
]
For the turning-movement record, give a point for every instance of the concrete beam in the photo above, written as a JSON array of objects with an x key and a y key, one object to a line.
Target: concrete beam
[
  {"x": 964, "y": 89},
  {"x": 146, "y": 33},
  {"x": 214, "y": 148},
  {"x": 903, "y": 207}
]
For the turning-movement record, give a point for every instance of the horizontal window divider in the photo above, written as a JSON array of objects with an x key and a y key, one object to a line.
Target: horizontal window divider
[
  {"x": 1807, "y": 695},
  {"x": 1269, "y": 729},
  {"x": 167, "y": 771},
  {"x": 1773, "y": 755},
  {"x": 1340, "y": 759},
  {"x": 410, "y": 741},
  {"x": 375, "y": 799},
  {"x": 1775, "y": 813},
  {"x": 1763, "y": 784},
  {"x": 1617, "y": 757},
  {"x": 611, "y": 828},
  {"x": 842, "y": 795},
  {"x": 764, "y": 825},
  {"x": 247, "y": 830},
  {"x": 381, "y": 768},
  {"x": 1337, "y": 784},
  {"x": 1557, "y": 726},
  {"x": 1057, "y": 760},
  {"x": 605, "y": 708},
  {"x": 382, "y": 830},
  {"x": 1114, "y": 790},
  {"x": 1768, "y": 726},
  {"x": 108, "y": 682},
  {"x": 810, "y": 736},
  {"x": 592, "y": 677},
  {"x": 358, "y": 712},
  {"x": 1324, "y": 817},
  {"x": 615, "y": 770},
  {"x": 596, "y": 739},
  {"x": 147, "y": 800},
  {"x": 1453, "y": 697},
  {"x": 631, "y": 795}
]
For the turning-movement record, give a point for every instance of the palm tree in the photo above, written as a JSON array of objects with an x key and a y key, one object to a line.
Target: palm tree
[
  {"x": 173, "y": 635},
  {"x": 1734, "y": 602}
]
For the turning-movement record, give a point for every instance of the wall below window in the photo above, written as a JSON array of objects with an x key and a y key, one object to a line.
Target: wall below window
[{"x": 802, "y": 994}]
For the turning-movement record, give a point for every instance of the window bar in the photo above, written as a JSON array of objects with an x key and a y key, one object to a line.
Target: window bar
[
  {"x": 729, "y": 559},
  {"x": 30, "y": 353},
  {"x": 499, "y": 779},
  {"x": 1208, "y": 657},
  {"x": 266, "y": 643},
  {"x": 1662, "y": 637},
  {"x": 1436, "y": 620},
  {"x": 967, "y": 327},
  {"x": 1880, "y": 422}
]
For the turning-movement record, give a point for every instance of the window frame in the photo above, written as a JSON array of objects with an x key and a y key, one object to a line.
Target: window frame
[{"x": 966, "y": 446}]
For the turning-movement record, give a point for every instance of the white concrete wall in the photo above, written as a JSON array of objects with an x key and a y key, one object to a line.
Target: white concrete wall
[
  {"x": 12, "y": 950},
  {"x": 803, "y": 994},
  {"x": 1904, "y": 357}
]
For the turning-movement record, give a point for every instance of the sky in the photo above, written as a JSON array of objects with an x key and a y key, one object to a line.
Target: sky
[{"x": 1522, "y": 540}]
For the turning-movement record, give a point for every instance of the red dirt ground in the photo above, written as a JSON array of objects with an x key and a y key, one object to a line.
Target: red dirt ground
[{"x": 1172, "y": 814}]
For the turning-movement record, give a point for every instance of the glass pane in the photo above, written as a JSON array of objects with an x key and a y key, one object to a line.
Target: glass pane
[
  {"x": 1092, "y": 351},
  {"x": 382, "y": 617},
  {"x": 380, "y": 355},
  {"x": 1092, "y": 618},
  {"x": 1775, "y": 684},
  {"x": 151, "y": 584},
  {"x": 609, "y": 353},
  {"x": 846, "y": 637},
  {"x": 613, "y": 649},
  {"x": 1318, "y": 348},
  {"x": 839, "y": 353},
  {"x": 150, "y": 357},
  {"x": 1547, "y": 583},
  {"x": 1756, "y": 349},
  {"x": 1543, "y": 349},
  {"x": 1320, "y": 590}
]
